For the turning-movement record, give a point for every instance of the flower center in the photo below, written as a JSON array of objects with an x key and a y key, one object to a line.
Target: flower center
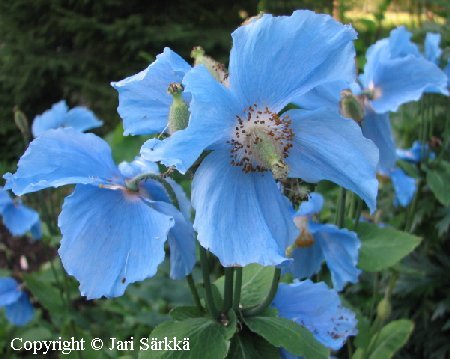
[{"x": 261, "y": 142}]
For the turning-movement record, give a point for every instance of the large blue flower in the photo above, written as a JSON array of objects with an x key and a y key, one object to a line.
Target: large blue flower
[
  {"x": 143, "y": 98},
  {"x": 240, "y": 214},
  {"x": 59, "y": 115},
  {"x": 17, "y": 217},
  {"x": 111, "y": 236},
  {"x": 323, "y": 242},
  {"x": 318, "y": 309},
  {"x": 18, "y": 308}
]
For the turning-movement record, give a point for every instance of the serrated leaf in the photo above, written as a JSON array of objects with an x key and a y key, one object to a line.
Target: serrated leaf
[
  {"x": 381, "y": 248},
  {"x": 284, "y": 333},
  {"x": 206, "y": 339},
  {"x": 438, "y": 179},
  {"x": 256, "y": 283},
  {"x": 248, "y": 345},
  {"x": 182, "y": 313},
  {"x": 390, "y": 339}
]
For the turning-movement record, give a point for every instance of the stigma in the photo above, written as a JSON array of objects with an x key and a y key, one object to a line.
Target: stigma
[{"x": 261, "y": 141}]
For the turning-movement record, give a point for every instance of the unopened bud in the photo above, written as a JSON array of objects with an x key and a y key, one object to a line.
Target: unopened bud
[
  {"x": 351, "y": 106},
  {"x": 384, "y": 309},
  {"x": 179, "y": 110},
  {"x": 21, "y": 122},
  {"x": 216, "y": 68}
]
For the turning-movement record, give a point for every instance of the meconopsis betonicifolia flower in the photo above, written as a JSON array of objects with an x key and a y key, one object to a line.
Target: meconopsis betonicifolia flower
[
  {"x": 59, "y": 115},
  {"x": 18, "y": 218},
  {"x": 318, "y": 309},
  {"x": 323, "y": 242},
  {"x": 395, "y": 73},
  {"x": 18, "y": 308},
  {"x": 241, "y": 215},
  {"x": 113, "y": 234}
]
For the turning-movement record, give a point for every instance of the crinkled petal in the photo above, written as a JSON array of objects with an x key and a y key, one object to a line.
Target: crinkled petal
[
  {"x": 213, "y": 114},
  {"x": 240, "y": 217},
  {"x": 20, "y": 312},
  {"x": 19, "y": 218},
  {"x": 404, "y": 187},
  {"x": 110, "y": 239},
  {"x": 181, "y": 242},
  {"x": 312, "y": 206},
  {"x": 60, "y": 157},
  {"x": 329, "y": 147},
  {"x": 306, "y": 261},
  {"x": 377, "y": 127},
  {"x": 323, "y": 96},
  {"x": 9, "y": 291},
  {"x": 317, "y": 308},
  {"x": 277, "y": 59},
  {"x": 81, "y": 119},
  {"x": 136, "y": 167},
  {"x": 143, "y": 98},
  {"x": 50, "y": 119},
  {"x": 400, "y": 43},
  {"x": 404, "y": 80},
  {"x": 340, "y": 248},
  {"x": 432, "y": 47}
]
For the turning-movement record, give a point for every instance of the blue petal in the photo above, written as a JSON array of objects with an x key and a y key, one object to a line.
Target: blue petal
[
  {"x": 81, "y": 119},
  {"x": 312, "y": 206},
  {"x": 9, "y": 291},
  {"x": 447, "y": 72},
  {"x": 60, "y": 157},
  {"x": 50, "y": 119},
  {"x": 306, "y": 261},
  {"x": 110, "y": 239},
  {"x": 19, "y": 218},
  {"x": 143, "y": 98},
  {"x": 5, "y": 199},
  {"x": 277, "y": 59},
  {"x": 181, "y": 242},
  {"x": 36, "y": 231},
  {"x": 21, "y": 311},
  {"x": 240, "y": 217},
  {"x": 432, "y": 47},
  {"x": 213, "y": 114},
  {"x": 183, "y": 201},
  {"x": 318, "y": 309},
  {"x": 329, "y": 147},
  {"x": 400, "y": 43},
  {"x": 323, "y": 96},
  {"x": 404, "y": 80},
  {"x": 377, "y": 127},
  {"x": 417, "y": 153},
  {"x": 340, "y": 249},
  {"x": 136, "y": 167},
  {"x": 404, "y": 187}
]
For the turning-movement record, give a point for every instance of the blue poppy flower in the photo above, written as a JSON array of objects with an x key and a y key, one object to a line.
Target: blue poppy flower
[
  {"x": 143, "y": 98},
  {"x": 417, "y": 153},
  {"x": 59, "y": 115},
  {"x": 18, "y": 218},
  {"x": 273, "y": 61},
  {"x": 432, "y": 49},
  {"x": 318, "y": 309},
  {"x": 404, "y": 186},
  {"x": 111, "y": 236},
  {"x": 18, "y": 308},
  {"x": 323, "y": 242}
]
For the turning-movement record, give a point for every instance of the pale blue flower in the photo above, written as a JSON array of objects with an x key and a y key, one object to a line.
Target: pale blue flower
[
  {"x": 111, "y": 236},
  {"x": 318, "y": 309},
  {"x": 59, "y": 115},
  {"x": 241, "y": 216},
  {"x": 417, "y": 153},
  {"x": 432, "y": 49},
  {"x": 18, "y": 308}
]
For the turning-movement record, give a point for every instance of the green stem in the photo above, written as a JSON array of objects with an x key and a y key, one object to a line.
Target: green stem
[
  {"x": 269, "y": 299},
  {"x": 195, "y": 296},
  {"x": 207, "y": 283},
  {"x": 340, "y": 210},
  {"x": 237, "y": 288},
  {"x": 359, "y": 206},
  {"x": 228, "y": 289}
]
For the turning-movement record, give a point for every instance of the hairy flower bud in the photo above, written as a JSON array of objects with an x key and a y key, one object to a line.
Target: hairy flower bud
[
  {"x": 216, "y": 69},
  {"x": 351, "y": 106},
  {"x": 384, "y": 309},
  {"x": 179, "y": 110}
]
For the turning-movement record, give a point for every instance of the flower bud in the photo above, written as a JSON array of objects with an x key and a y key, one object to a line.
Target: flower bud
[
  {"x": 216, "y": 69},
  {"x": 179, "y": 110},
  {"x": 351, "y": 106},
  {"x": 384, "y": 309},
  {"x": 22, "y": 124}
]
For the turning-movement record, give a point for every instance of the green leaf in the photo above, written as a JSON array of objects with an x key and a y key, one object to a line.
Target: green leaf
[
  {"x": 182, "y": 313},
  {"x": 256, "y": 283},
  {"x": 438, "y": 179},
  {"x": 284, "y": 333},
  {"x": 248, "y": 345},
  {"x": 381, "y": 248},
  {"x": 206, "y": 339},
  {"x": 124, "y": 148},
  {"x": 37, "y": 334},
  {"x": 390, "y": 339}
]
